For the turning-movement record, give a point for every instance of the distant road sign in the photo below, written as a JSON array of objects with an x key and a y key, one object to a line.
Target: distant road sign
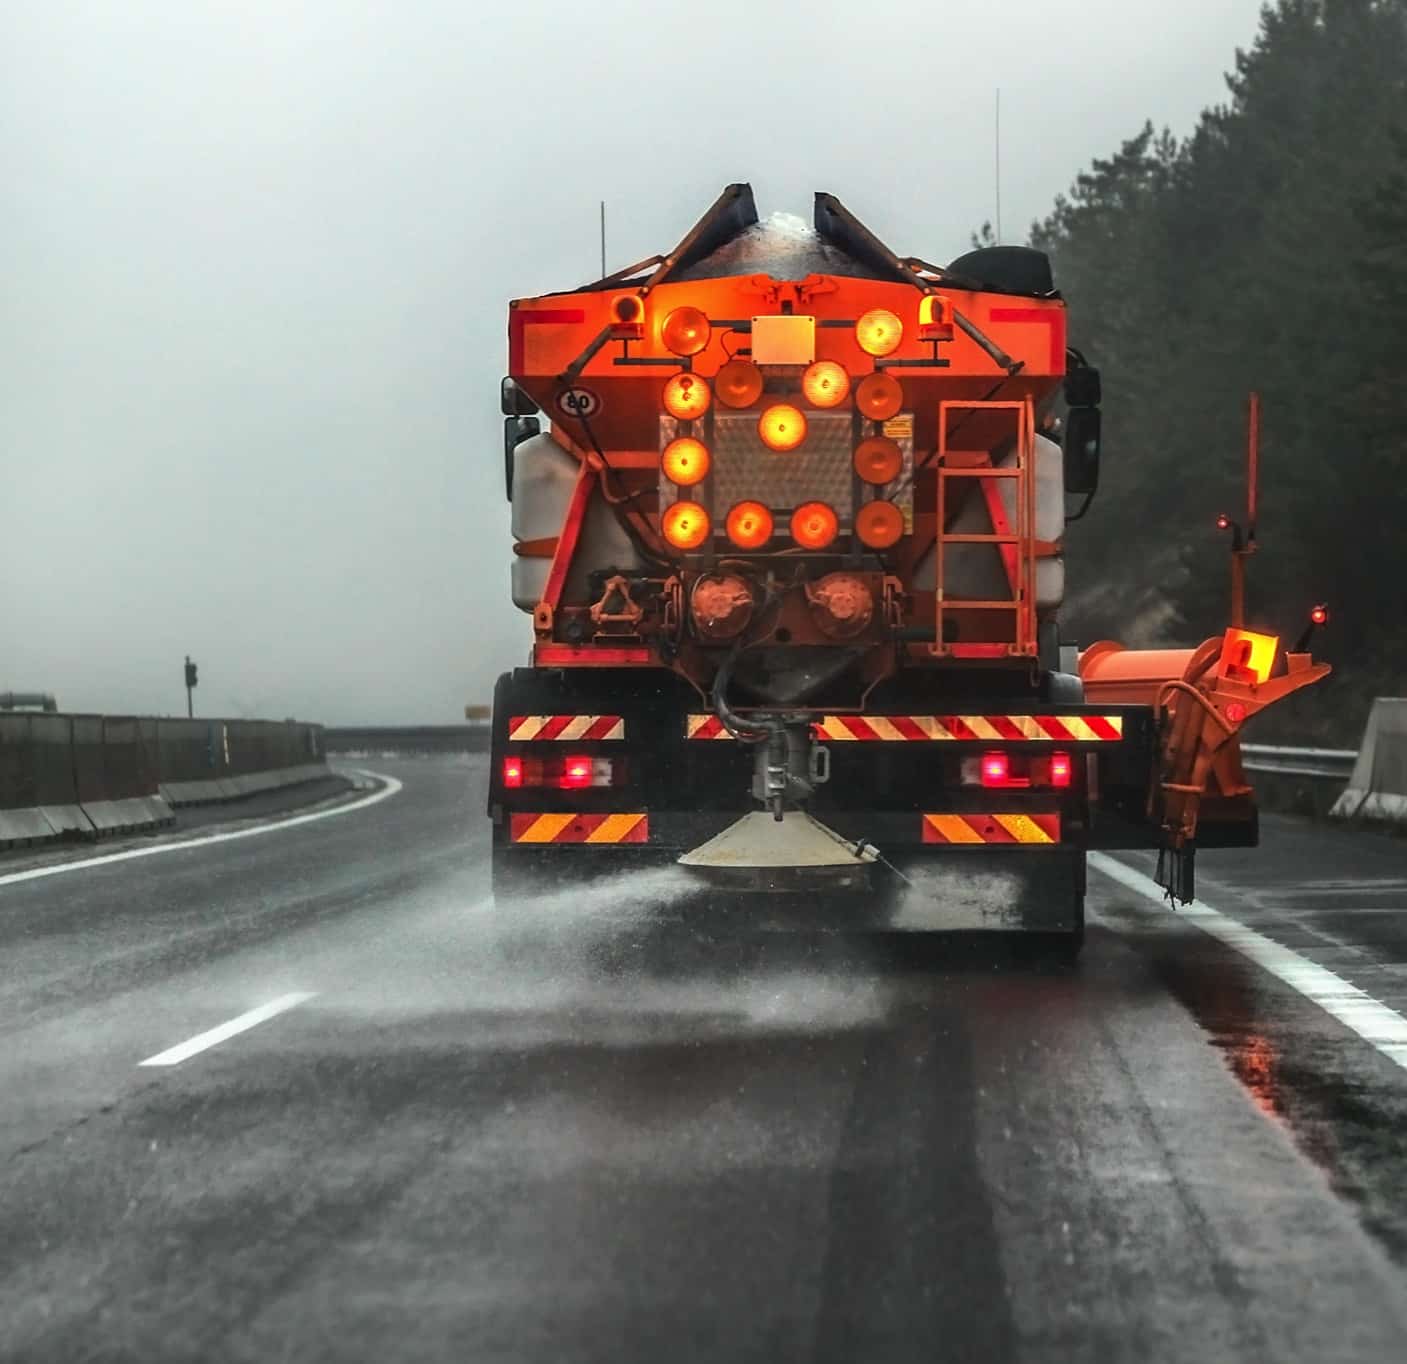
[{"x": 477, "y": 712}]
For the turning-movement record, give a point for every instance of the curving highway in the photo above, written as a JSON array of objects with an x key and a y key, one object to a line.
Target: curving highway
[{"x": 307, "y": 1093}]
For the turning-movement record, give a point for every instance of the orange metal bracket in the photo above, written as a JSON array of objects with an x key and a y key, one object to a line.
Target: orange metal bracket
[{"x": 567, "y": 540}]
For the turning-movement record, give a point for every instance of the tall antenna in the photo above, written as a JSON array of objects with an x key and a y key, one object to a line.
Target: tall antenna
[
  {"x": 603, "y": 239},
  {"x": 998, "y": 152}
]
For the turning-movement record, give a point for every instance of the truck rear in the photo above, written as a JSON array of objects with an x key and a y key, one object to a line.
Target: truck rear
[{"x": 792, "y": 548}]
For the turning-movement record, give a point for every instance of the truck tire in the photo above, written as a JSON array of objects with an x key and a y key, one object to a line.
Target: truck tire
[
  {"x": 1059, "y": 947},
  {"x": 511, "y": 881}
]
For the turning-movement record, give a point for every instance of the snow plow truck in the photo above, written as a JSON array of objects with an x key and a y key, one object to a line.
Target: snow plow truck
[{"x": 787, "y": 512}]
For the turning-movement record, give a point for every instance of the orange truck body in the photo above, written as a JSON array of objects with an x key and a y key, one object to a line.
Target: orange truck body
[{"x": 867, "y": 545}]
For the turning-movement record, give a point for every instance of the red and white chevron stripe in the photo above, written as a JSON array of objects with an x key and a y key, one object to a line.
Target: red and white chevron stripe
[
  {"x": 568, "y": 728},
  {"x": 1067, "y": 729}
]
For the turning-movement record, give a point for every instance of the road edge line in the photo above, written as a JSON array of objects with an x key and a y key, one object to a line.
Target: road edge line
[
  {"x": 1381, "y": 1027},
  {"x": 391, "y": 787}
]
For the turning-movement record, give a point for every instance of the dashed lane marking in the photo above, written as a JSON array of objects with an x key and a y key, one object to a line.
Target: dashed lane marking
[
  {"x": 173, "y": 1056},
  {"x": 273, "y": 827},
  {"x": 1378, "y": 1025}
]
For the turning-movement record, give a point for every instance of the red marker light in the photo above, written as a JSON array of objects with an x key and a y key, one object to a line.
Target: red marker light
[
  {"x": 1319, "y": 615},
  {"x": 576, "y": 772},
  {"x": 1223, "y": 522},
  {"x": 1061, "y": 769},
  {"x": 1235, "y": 712},
  {"x": 996, "y": 770},
  {"x": 512, "y": 771}
]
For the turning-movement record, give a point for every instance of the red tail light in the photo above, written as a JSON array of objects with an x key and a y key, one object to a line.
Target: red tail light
[
  {"x": 576, "y": 773},
  {"x": 1002, "y": 770},
  {"x": 996, "y": 769}
]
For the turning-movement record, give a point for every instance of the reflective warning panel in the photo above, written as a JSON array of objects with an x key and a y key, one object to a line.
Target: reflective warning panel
[
  {"x": 539, "y": 728},
  {"x": 991, "y": 828},
  {"x": 1065, "y": 729},
  {"x": 568, "y": 828}
]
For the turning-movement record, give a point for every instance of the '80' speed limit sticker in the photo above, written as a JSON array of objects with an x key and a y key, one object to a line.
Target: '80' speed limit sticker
[{"x": 581, "y": 404}]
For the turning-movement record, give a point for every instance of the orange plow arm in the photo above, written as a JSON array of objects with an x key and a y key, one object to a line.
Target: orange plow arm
[{"x": 1202, "y": 698}]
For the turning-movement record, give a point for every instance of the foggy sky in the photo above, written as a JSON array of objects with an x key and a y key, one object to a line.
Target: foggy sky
[{"x": 257, "y": 255}]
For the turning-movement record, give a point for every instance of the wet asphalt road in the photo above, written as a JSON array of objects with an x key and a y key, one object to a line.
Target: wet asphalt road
[{"x": 562, "y": 1131}]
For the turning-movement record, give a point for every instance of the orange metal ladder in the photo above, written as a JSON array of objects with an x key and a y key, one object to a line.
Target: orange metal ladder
[{"x": 1017, "y": 547}]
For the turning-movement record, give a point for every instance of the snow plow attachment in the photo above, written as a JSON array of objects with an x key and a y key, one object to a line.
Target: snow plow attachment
[{"x": 1201, "y": 698}]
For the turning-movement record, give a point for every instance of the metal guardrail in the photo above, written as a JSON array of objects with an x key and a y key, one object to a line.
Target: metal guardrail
[{"x": 1323, "y": 764}]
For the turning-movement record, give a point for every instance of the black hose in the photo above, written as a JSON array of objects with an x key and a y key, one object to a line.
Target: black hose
[{"x": 736, "y": 726}]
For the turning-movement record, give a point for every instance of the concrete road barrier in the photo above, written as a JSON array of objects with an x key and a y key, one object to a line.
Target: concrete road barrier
[
  {"x": 75, "y": 776},
  {"x": 91, "y": 775},
  {"x": 38, "y": 790},
  {"x": 1378, "y": 787},
  {"x": 205, "y": 761},
  {"x": 116, "y": 776}
]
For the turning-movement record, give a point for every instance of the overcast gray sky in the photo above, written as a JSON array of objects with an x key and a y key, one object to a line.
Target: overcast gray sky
[{"x": 257, "y": 255}]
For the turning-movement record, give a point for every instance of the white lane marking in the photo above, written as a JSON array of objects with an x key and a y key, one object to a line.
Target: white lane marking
[
  {"x": 58, "y": 868},
  {"x": 173, "y": 1056},
  {"x": 1374, "y": 1022}
]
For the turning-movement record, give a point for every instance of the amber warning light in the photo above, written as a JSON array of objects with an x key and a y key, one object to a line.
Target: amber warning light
[
  {"x": 685, "y": 525},
  {"x": 1247, "y": 656},
  {"x": 739, "y": 383},
  {"x": 879, "y": 396},
  {"x": 879, "y": 332},
  {"x": 685, "y": 461},
  {"x": 749, "y": 525},
  {"x": 814, "y": 525},
  {"x": 879, "y": 524},
  {"x": 878, "y": 459},
  {"x": 686, "y": 331},
  {"x": 825, "y": 384},
  {"x": 686, "y": 396},
  {"x": 627, "y": 318},
  {"x": 782, "y": 428}
]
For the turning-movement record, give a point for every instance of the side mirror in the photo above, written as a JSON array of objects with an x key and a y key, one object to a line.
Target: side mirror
[
  {"x": 1082, "y": 442},
  {"x": 513, "y": 402},
  {"x": 515, "y": 431}
]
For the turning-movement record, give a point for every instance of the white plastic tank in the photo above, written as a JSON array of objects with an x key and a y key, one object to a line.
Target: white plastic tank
[
  {"x": 977, "y": 571},
  {"x": 544, "y": 476}
]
